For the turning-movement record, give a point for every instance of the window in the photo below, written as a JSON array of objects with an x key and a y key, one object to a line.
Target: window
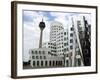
[
  {"x": 43, "y": 52},
  {"x": 49, "y": 63},
  {"x": 46, "y": 63},
  {"x": 36, "y": 52},
  {"x": 48, "y": 43},
  {"x": 65, "y": 39},
  {"x": 37, "y": 63},
  {"x": 65, "y": 44},
  {"x": 71, "y": 40},
  {"x": 67, "y": 63},
  {"x": 44, "y": 57},
  {"x": 33, "y": 57},
  {"x": 72, "y": 29},
  {"x": 79, "y": 62},
  {"x": 41, "y": 63},
  {"x": 39, "y": 52},
  {"x": 71, "y": 54},
  {"x": 71, "y": 47},
  {"x": 86, "y": 51},
  {"x": 65, "y": 50},
  {"x": 67, "y": 55},
  {"x": 59, "y": 63},
  {"x": 64, "y": 33},
  {"x": 32, "y": 52},
  {"x": 33, "y": 63},
  {"x": 37, "y": 57},
  {"x": 78, "y": 22},
  {"x": 53, "y": 63},
  {"x": 40, "y": 57},
  {"x": 48, "y": 52},
  {"x": 76, "y": 40},
  {"x": 56, "y": 62},
  {"x": 71, "y": 34}
]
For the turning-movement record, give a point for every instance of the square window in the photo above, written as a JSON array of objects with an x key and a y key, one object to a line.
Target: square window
[
  {"x": 72, "y": 28},
  {"x": 71, "y": 47},
  {"x": 33, "y": 57},
  {"x": 71, "y": 34},
  {"x": 71, "y": 40}
]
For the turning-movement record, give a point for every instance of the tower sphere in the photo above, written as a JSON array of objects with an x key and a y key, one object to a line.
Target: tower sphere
[{"x": 42, "y": 25}]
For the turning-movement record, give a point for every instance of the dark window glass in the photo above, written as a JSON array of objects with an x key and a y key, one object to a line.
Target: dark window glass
[
  {"x": 71, "y": 47},
  {"x": 72, "y": 29},
  {"x": 40, "y": 57},
  {"x": 65, "y": 44},
  {"x": 65, "y": 50},
  {"x": 71, "y": 54},
  {"x": 48, "y": 52},
  {"x": 36, "y": 52},
  {"x": 71, "y": 34},
  {"x": 46, "y": 63},
  {"x": 33, "y": 57},
  {"x": 33, "y": 63},
  {"x": 67, "y": 55},
  {"x": 37, "y": 63},
  {"x": 37, "y": 57},
  {"x": 43, "y": 52},
  {"x": 67, "y": 63},
  {"x": 41, "y": 63},
  {"x": 32, "y": 52},
  {"x": 65, "y": 39},
  {"x": 53, "y": 63},
  {"x": 49, "y": 63},
  {"x": 44, "y": 57},
  {"x": 71, "y": 40},
  {"x": 64, "y": 33},
  {"x": 39, "y": 52},
  {"x": 56, "y": 62},
  {"x": 79, "y": 62}
]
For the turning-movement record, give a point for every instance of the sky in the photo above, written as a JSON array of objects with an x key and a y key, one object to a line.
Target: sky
[{"x": 31, "y": 30}]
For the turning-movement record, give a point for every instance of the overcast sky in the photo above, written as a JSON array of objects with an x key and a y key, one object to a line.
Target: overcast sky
[{"x": 31, "y": 31}]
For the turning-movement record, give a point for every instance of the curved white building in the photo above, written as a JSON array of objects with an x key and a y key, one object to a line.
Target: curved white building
[{"x": 56, "y": 36}]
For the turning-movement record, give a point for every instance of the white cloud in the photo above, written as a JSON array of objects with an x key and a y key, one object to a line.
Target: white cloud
[{"x": 61, "y": 17}]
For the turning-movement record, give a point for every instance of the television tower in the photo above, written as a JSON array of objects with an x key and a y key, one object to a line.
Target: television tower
[{"x": 41, "y": 26}]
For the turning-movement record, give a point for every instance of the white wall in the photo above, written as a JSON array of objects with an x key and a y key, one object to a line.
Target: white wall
[{"x": 5, "y": 43}]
